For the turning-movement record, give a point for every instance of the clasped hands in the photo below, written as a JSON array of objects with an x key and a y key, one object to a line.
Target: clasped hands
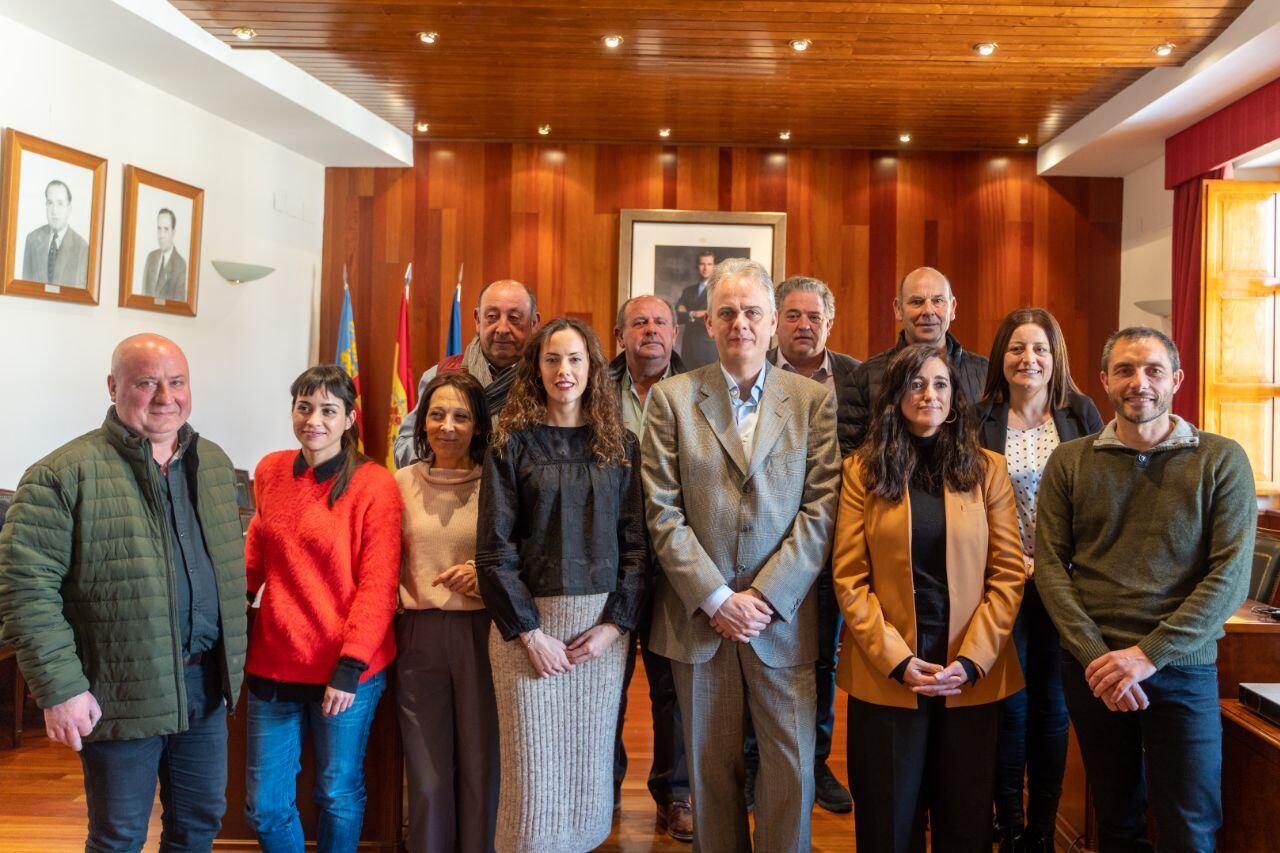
[
  {"x": 931, "y": 679},
  {"x": 742, "y": 616},
  {"x": 1114, "y": 678},
  {"x": 551, "y": 656}
]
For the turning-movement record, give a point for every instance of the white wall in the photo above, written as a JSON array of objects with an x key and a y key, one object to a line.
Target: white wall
[
  {"x": 1146, "y": 244},
  {"x": 263, "y": 204}
]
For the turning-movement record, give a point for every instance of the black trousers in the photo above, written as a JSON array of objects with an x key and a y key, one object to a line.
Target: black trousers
[
  {"x": 669, "y": 773},
  {"x": 905, "y": 762}
]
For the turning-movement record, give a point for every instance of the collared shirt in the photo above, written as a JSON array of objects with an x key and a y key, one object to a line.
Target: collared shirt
[
  {"x": 746, "y": 412},
  {"x": 197, "y": 585},
  {"x": 633, "y": 411},
  {"x": 324, "y": 471},
  {"x": 823, "y": 374}
]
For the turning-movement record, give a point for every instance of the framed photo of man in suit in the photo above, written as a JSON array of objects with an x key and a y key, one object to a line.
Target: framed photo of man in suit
[
  {"x": 51, "y": 206},
  {"x": 160, "y": 243},
  {"x": 670, "y": 253}
]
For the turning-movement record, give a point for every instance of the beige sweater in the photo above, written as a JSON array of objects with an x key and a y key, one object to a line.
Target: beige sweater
[{"x": 439, "y": 525}]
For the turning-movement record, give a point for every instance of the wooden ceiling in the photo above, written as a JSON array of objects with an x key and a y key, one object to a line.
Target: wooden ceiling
[{"x": 723, "y": 72}]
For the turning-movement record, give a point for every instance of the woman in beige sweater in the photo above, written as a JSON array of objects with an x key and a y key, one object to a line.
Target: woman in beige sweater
[{"x": 448, "y": 718}]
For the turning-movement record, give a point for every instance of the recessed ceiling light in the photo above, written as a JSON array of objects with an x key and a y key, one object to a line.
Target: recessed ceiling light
[
  {"x": 544, "y": 129},
  {"x": 1024, "y": 139},
  {"x": 244, "y": 33},
  {"x": 422, "y": 126},
  {"x": 1163, "y": 49},
  {"x": 428, "y": 37},
  {"x": 800, "y": 45},
  {"x": 985, "y": 48},
  {"x": 904, "y": 137},
  {"x": 664, "y": 132},
  {"x": 612, "y": 40},
  {"x": 785, "y": 135}
]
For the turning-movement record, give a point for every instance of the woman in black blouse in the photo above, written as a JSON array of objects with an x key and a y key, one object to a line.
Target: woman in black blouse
[{"x": 562, "y": 561}]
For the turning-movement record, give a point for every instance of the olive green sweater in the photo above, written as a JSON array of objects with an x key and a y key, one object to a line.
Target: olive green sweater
[{"x": 1150, "y": 548}]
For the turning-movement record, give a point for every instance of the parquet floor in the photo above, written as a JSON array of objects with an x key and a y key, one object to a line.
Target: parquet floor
[{"x": 42, "y": 806}]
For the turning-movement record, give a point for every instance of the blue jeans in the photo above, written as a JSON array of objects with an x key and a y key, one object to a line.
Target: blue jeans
[
  {"x": 1033, "y": 724},
  {"x": 120, "y": 777},
  {"x": 1180, "y": 737},
  {"x": 276, "y": 730}
]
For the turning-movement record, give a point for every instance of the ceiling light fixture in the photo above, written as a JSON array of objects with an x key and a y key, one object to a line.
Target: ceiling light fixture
[
  {"x": 800, "y": 45},
  {"x": 428, "y": 37},
  {"x": 612, "y": 41},
  {"x": 904, "y": 137},
  {"x": 1024, "y": 139},
  {"x": 1165, "y": 49},
  {"x": 244, "y": 33},
  {"x": 544, "y": 129},
  {"x": 423, "y": 127},
  {"x": 785, "y": 136},
  {"x": 985, "y": 48},
  {"x": 664, "y": 132}
]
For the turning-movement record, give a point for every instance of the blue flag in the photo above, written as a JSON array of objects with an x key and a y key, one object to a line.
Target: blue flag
[{"x": 454, "y": 347}]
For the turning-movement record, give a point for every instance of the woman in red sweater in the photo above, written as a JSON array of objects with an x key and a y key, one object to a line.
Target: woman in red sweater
[{"x": 324, "y": 548}]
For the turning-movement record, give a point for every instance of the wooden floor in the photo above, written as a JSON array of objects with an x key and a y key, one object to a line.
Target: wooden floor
[{"x": 42, "y": 796}]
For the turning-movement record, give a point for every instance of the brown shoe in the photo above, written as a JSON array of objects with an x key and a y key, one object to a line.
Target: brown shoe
[{"x": 677, "y": 820}]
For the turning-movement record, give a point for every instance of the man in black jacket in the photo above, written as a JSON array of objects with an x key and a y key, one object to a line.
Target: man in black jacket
[
  {"x": 645, "y": 333},
  {"x": 925, "y": 306}
]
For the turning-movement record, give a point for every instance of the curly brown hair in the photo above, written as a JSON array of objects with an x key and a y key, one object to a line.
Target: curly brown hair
[
  {"x": 526, "y": 405},
  {"x": 888, "y": 457}
]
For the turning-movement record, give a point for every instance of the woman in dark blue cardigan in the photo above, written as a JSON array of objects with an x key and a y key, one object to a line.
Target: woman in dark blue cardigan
[{"x": 1029, "y": 406}]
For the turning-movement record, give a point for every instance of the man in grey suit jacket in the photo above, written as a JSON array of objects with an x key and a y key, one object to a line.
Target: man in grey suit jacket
[
  {"x": 55, "y": 253},
  {"x": 741, "y": 469},
  {"x": 165, "y": 274}
]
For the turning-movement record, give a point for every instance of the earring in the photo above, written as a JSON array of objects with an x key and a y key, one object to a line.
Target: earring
[{"x": 952, "y": 418}]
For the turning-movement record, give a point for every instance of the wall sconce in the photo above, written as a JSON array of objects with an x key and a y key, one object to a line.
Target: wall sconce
[
  {"x": 237, "y": 273},
  {"x": 1162, "y": 308}
]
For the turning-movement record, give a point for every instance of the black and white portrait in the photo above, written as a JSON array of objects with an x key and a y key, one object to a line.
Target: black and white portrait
[
  {"x": 54, "y": 207},
  {"x": 162, "y": 244}
]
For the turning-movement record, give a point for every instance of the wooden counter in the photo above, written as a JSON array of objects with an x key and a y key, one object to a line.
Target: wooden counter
[{"x": 1250, "y": 781}]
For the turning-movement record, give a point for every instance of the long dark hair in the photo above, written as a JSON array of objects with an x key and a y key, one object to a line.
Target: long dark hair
[
  {"x": 473, "y": 393},
  {"x": 888, "y": 457},
  {"x": 338, "y": 384},
  {"x": 996, "y": 389},
  {"x": 526, "y": 404}
]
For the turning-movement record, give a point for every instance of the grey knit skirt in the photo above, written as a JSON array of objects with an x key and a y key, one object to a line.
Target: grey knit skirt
[{"x": 556, "y": 737}]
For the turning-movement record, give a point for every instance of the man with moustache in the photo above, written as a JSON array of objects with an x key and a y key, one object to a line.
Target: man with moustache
[
  {"x": 122, "y": 588},
  {"x": 741, "y": 472},
  {"x": 506, "y": 315},
  {"x": 925, "y": 306},
  {"x": 645, "y": 333},
  {"x": 696, "y": 347},
  {"x": 1144, "y": 542}
]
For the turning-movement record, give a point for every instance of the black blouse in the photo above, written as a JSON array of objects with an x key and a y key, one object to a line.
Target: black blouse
[{"x": 552, "y": 521}]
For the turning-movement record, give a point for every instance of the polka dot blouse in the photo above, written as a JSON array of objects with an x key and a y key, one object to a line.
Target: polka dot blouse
[{"x": 1026, "y": 453}]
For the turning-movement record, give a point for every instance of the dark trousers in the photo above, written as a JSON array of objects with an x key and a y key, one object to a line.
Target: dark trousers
[
  {"x": 904, "y": 762},
  {"x": 1033, "y": 724},
  {"x": 120, "y": 777},
  {"x": 830, "y": 621},
  {"x": 1180, "y": 737},
  {"x": 669, "y": 773}
]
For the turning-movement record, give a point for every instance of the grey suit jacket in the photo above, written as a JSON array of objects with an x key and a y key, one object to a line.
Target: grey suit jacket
[
  {"x": 71, "y": 269},
  {"x": 717, "y": 517},
  {"x": 173, "y": 285}
]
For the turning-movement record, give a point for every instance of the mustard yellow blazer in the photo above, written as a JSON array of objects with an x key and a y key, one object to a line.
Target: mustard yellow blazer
[{"x": 871, "y": 567}]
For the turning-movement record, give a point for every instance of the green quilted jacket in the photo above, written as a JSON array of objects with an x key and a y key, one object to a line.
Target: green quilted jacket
[{"x": 87, "y": 593}]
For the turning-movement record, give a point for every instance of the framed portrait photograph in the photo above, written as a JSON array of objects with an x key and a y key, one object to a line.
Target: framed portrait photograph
[
  {"x": 160, "y": 243},
  {"x": 51, "y": 205},
  {"x": 244, "y": 491},
  {"x": 670, "y": 253}
]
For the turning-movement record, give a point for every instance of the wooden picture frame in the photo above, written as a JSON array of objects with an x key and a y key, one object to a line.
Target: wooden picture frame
[
  {"x": 51, "y": 189},
  {"x": 160, "y": 243},
  {"x": 661, "y": 252},
  {"x": 244, "y": 491}
]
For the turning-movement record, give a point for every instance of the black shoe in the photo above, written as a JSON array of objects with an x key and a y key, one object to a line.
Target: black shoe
[
  {"x": 1009, "y": 838},
  {"x": 1035, "y": 840},
  {"x": 828, "y": 792},
  {"x": 749, "y": 787}
]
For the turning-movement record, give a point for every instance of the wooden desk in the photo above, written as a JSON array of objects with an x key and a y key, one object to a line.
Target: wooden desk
[
  {"x": 1250, "y": 781},
  {"x": 1250, "y": 651}
]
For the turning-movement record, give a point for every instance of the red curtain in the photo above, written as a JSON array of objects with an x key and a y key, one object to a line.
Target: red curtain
[{"x": 1188, "y": 223}]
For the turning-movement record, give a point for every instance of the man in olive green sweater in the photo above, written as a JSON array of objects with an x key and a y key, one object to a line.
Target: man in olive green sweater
[
  {"x": 122, "y": 588},
  {"x": 1144, "y": 538}
]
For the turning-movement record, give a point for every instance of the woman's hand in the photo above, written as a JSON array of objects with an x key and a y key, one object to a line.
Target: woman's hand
[
  {"x": 336, "y": 701},
  {"x": 930, "y": 679},
  {"x": 591, "y": 643},
  {"x": 546, "y": 653},
  {"x": 460, "y": 579}
]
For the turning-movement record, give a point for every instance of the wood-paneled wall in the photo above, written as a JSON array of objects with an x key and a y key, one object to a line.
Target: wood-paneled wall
[{"x": 548, "y": 215}]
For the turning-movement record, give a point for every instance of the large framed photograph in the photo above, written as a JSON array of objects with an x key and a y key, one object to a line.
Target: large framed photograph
[
  {"x": 51, "y": 207},
  {"x": 160, "y": 243},
  {"x": 670, "y": 253}
]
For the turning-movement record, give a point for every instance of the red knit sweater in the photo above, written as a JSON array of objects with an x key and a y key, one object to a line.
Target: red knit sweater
[{"x": 331, "y": 574}]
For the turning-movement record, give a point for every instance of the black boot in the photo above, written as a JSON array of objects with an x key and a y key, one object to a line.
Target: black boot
[
  {"x": 1035, "y": 840},
  {"x": 1008, "y": 837}
]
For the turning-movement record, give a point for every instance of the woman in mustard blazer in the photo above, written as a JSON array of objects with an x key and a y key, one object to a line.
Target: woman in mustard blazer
[{"x": 928, "y": 571}]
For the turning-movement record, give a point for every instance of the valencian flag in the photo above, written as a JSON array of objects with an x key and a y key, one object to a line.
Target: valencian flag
[
  {"x": 402, "y": 387},
  {"x": 454, "y": 346},
  {"x": 346, "y": 356}
]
